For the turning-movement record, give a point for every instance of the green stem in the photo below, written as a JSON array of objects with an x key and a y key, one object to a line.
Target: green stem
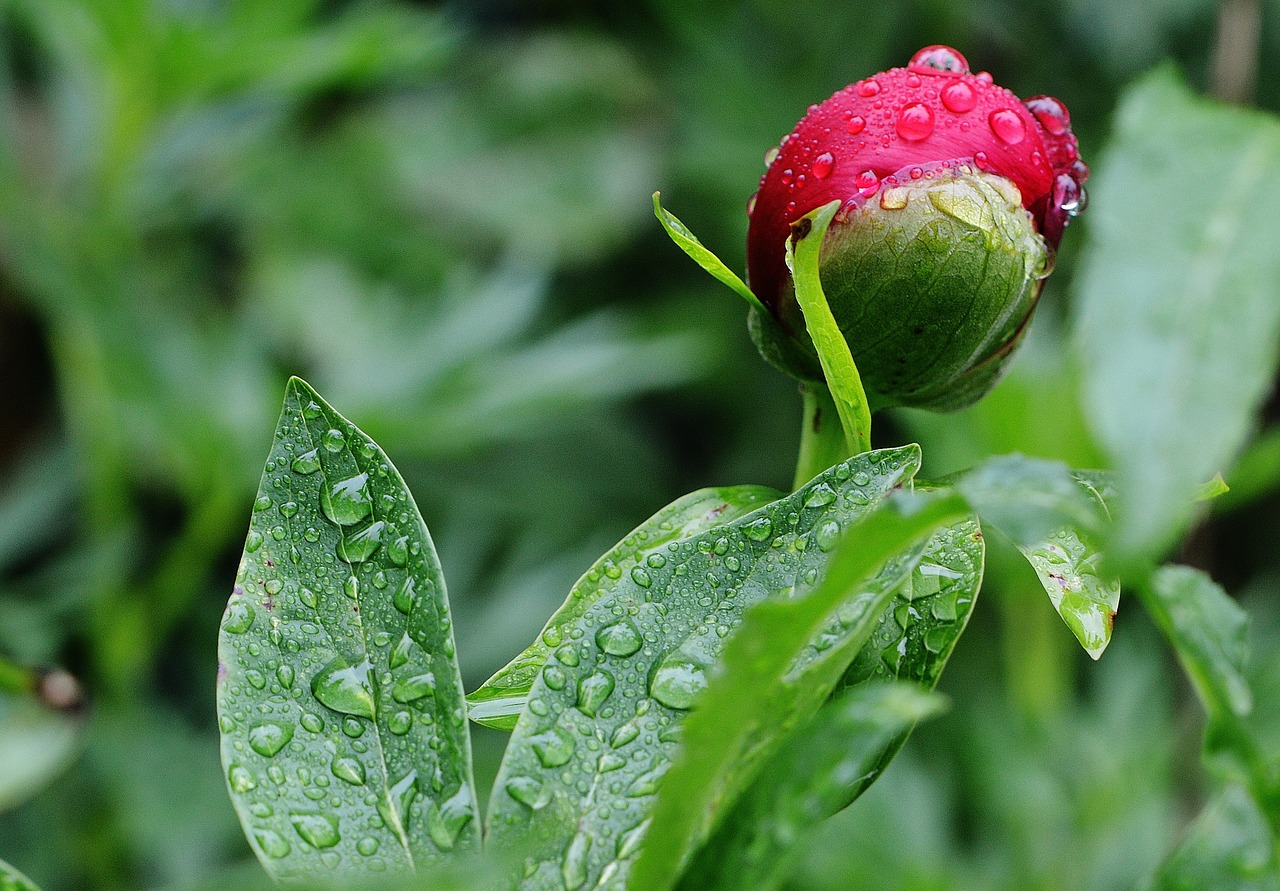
[{"x": 822, "y": 438}]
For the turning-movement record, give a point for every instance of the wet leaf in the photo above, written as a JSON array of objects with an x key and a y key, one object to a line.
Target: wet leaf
[
  {"x": 12, "y": 880},
  {"x": 777, "y": 674},
  {"x": 344, "y": 735},
  {"x": 1178, "y": 329},
  {"x": 603, "y": 720},
  {"x": 1229, "y": 848},
  {"x": 806, "y": 782},
  {"x": 1068, "y": 564},
  {"x": 499, "y": 700}
]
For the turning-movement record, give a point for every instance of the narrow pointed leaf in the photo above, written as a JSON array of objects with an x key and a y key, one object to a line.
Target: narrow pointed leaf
[
  {"x": 12, "y": 880},
  {"x": 689, "y": 243},
  {"x": 1179, "y": 327},
  {"x": 344, "y": 734},
  {"x": 499, "y": 701},
  {"x": 603, "y": 718},
  {"x": 806, "y": 782},
  {"x": 804, "y": 250},
  {"x": 776, "y": 674}
]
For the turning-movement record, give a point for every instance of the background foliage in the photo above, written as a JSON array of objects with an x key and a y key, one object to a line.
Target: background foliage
[{"x": 439, "y": 214}]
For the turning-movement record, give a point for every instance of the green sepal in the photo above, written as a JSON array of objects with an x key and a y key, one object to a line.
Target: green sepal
[{"x": 700, "y": 254}]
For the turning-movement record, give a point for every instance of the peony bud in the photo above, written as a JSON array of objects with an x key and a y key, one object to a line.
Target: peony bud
[{"x": 953, "y": 196}]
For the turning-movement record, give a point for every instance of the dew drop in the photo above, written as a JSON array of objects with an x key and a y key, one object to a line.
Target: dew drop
[
  {"x": 345, "y": 688},
  {"x": 360, "y": 547},
  {"x": 317, "y": 829},
  {"x": 307, "y": 462},
  {"x": 959, "y": 97},
  {"x": 553, "y": 747},
  {"x": 367, "y": 846},
  {"x": 414, "y": 687},
  {"x": 401, "y": 652},
  {"x": 308, "y": 597},
  {"x": 894, "y": 199},
  {"x": 285, "y": 675},
  {"x": 353, "y": 727},
  {"x": 348, "y": 770},
  {"x": 239, "y": 618},
  {"x": 867, "y": 183},
  {"x": 334, "y": 440},
  {"x": 770, "y": 156},
  {"x": 312, "y": 410},
  {"x": 625, "y": 734},
  {"x": 271, "y": 843},
  {"x": 915, "y": 122},
  {"x": 399, "y": 723},
  {"x": 647, "y": 782},
  {"x": 554, "y": 677},
  {"x": 751, "y": 203},
  {"x": 1051, "y": 114},
  {"x": 641, "y": 576},
  {"x": 241, "y": 779},
  {"x": 446, "y": 822},
  {"x": 527, "y": 791},
  {"x": 867, "y": 88},
  {"x": 938, "y": 59},
  {"x": 262, "y": 502},
  {"x": 573, "y": 868},
  {"x": 347, "y": 502},
  {"x": 828, "y": 535},
  {"x": 619, "y": 639},
  {"x": 253, "y": 541},
  {"x": 268, "y": 738},
  {"x": 760, "y": 529},
  {"x": 289, "y": 509},
  {"x": 820, "y": 496},
  {"x": 311, "y": 722},
  {"x": 351, "y": 587},
  {"x": 823, "y": 165},
  {"x": 593, "y": 690},
  {"x": 677, "y": 682},
  {"x": 567, "y": 656},
  {"x": 1007, "y": 126},
  {"x": 405, "y": 595},
  {"x": 855, "y": 125}
]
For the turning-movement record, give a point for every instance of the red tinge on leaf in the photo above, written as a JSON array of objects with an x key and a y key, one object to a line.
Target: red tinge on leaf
[{"x": 906, "y": 123}]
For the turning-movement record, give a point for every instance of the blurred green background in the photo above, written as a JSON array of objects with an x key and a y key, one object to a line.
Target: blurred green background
[{"x": 439, "y": 215}]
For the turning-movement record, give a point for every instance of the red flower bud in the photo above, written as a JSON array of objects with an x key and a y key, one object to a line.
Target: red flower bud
[{"x": 874, "y": 146}]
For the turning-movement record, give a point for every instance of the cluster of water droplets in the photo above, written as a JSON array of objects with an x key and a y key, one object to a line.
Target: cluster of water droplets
[
  {"x": 323, "y": 678},
  {"x": 605, "y": 717},
  {"x": 934, "y": 92}
]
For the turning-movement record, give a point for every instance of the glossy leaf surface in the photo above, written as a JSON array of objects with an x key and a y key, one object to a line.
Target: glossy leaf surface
[
  {"x": 1179, "y": 326},
  {"x": 344, "y": 734},
  {"x": 806, "y": 782},
  {"x": 603, "y": 718},
  {"x": 777, "y": 672},
  {"x": 499, "y": 701}
]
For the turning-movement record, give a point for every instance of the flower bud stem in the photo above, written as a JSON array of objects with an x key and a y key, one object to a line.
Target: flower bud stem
[
  {"x": 822, "y": 440},
  {"x": 803, "y": 250}
]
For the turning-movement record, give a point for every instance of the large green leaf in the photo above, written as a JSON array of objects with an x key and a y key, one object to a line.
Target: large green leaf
[
  {"x": 344, "y": 733},
  {"x": 1229, "y": 848},
  {"x": 806, "y": 782},
  {"x": 778, "y": 670},
  {"x": 1179, "y": 325},
  {"x": 603, "y": 718},
  {"x": 12, "y": 880},
  {"x": 499, "y": 701}
]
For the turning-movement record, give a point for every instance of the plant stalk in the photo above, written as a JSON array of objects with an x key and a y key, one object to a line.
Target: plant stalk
[{"x": 822, "y": 437}]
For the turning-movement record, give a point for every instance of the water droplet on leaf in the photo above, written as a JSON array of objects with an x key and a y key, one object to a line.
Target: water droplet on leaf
[
  {"x": 348, "y": 769},
  {"x": 345, "y": 688},
  {"x": 553, "y": 747},
  {"x": 677, "y": 682},
  {"x": 619, "y": 639},
  {"x": 307, "y": 462},
  {"x": 239, "y": 617},
  {"x": 593, "y": 690},
  {"x": 316, "y": 829},
  {"x": 347, "y": 502}
]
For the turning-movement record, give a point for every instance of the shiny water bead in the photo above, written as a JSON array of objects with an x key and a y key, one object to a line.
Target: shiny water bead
[{"x": 938, "y": 59}]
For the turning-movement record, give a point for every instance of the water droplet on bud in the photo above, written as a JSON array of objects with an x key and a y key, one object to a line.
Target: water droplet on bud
[
  {"x": 959, "y": 97},
  {"x": 1007, "y": 126},
  {"x": 823, "y": 165},
  {"x": 915, "y": 122},
  {"x": 1051, "y": 114},
  {"x": 867, "y": 88},
  {"x": 938, "y": 59}
]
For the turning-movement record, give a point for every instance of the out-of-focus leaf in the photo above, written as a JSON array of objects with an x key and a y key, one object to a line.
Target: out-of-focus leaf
[
  {"x": 777, "y": 672},
  {"x": 1179, "y": 329},
  {"x": 1028, "y": 499},
  {"x": 344, "y": 733},
  {"x": 12, "y": 880},
  {"x": 1229, "y": 848},
  {"x": 36, "y": 744},
  {"x": 806, "y": 782},
  {"x": 499, "y": 701},
  {"x": 603, "y": 719},
  {"x": 1208, "y": 631}
]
